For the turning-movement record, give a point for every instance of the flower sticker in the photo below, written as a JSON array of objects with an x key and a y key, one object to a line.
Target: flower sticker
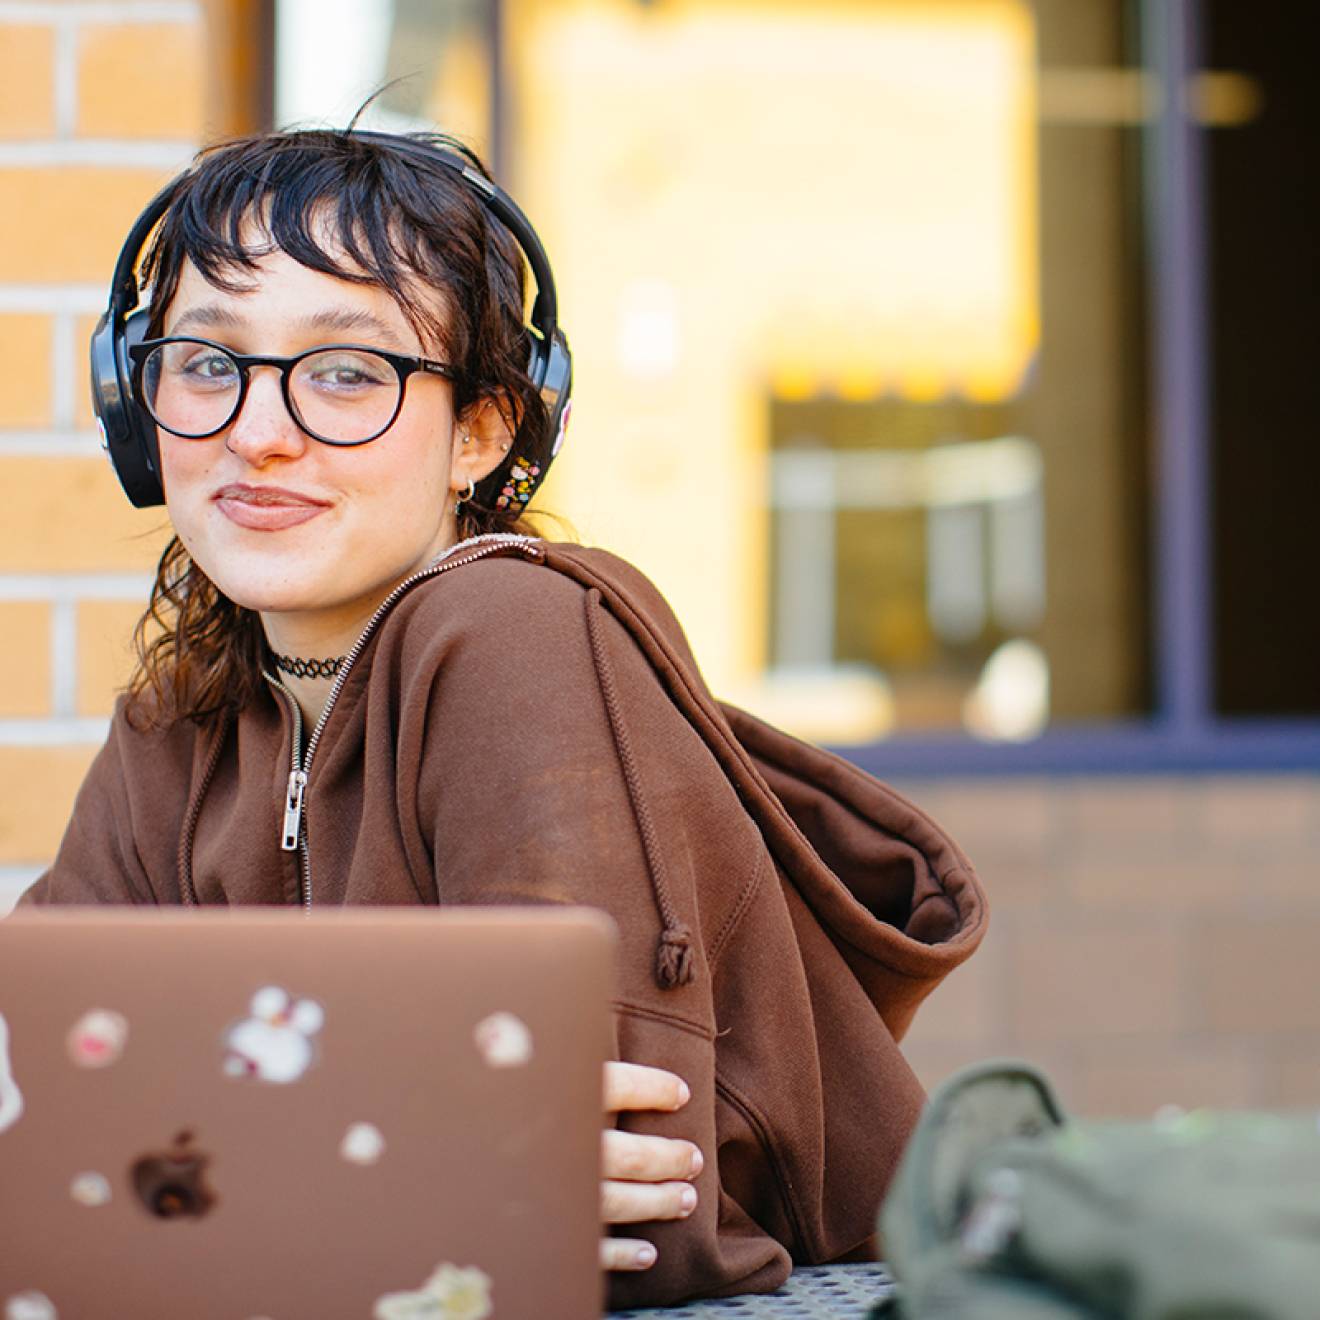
[
  {"x": 90, "y": 1189},
  {"x": 11, "y": 1098},
  {"x": 362, "y": 1144},
  {"x": 450, "y": 1293},
  {"x": 521, "y": 483},
  {"x": 275, "y": 1043},
  {"x": 30, "y": 1306},
  {"x": 98, "y": 1038},
  {"x": 504, "y": 1040}
]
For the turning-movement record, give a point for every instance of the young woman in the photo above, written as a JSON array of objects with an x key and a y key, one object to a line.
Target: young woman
[{"x": 362, "y": 680}]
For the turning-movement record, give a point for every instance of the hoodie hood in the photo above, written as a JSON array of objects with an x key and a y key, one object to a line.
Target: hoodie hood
[{"x": 896, "y": 895}]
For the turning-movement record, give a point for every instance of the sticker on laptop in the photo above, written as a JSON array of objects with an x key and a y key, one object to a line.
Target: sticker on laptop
[
  {"x": 362, "y": 1144},
  {"x": 11, "y": 1098},
  {"x": 90, "y": 1189},
  {"x": 450, "y": 1293},
  {"x": 274, "y": 1044},
  {"x": 30, "y": 1306},
  {"x": 505, "y": 1041},
  {"x": 98, "y": 1038}
]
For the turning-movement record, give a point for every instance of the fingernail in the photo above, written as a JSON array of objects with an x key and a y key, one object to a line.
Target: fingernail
[
  {"x": 687, "y": 1198},
  {"x": 684, "y": 1093},
  {"x": 646, "y": 1255},
  {"x": 698, "y": 1163}
]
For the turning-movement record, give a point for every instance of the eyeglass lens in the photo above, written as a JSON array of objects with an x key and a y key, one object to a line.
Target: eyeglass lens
[{"x": 339, "y": 394}]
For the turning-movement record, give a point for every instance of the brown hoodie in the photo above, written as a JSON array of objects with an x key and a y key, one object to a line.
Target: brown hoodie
[{"x": 524, "y": 723}]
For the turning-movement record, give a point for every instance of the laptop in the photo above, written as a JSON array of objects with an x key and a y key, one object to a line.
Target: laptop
[{"x": 253, "y": 1114}]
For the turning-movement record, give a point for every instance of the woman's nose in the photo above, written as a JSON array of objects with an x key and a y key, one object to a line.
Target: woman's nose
[{"x": 264, "y": 428}]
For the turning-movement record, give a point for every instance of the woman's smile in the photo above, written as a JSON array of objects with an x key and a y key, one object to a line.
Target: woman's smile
[{"x": 266, "y": 508}]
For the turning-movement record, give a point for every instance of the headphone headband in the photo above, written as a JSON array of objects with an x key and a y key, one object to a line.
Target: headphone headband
[{"x": 129, "y": 434}]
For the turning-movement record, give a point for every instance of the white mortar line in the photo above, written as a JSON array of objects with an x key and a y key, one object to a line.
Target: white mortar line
[
  {"x": 50, "y": 444},
  {"x": 74, "y": 587},
  {"x": 62, "y": 371},
  {"x": 64, "y": 659},
  {"x": 65, "y": 89},
  {"x": 166, "y": 156},
  {"x": 53, "y": 733},
  {"x": 126, "y": 11},
  {"x": 54, "y": 297}
]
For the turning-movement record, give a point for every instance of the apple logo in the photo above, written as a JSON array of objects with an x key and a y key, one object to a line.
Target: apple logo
[{"x": 171, "y": 1184}]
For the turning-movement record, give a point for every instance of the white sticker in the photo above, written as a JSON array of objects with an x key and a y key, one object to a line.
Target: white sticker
[
  {"x": 362, "y": 1144},
  {"x": 275, "y": 1043},
  {"x": 90, "y": 1189},
  {"x": 504, "y": 1040},
  {"x": 11, "y": 1098},
  {"x": 562, "y": 433},
  {"x": 30, "y": 1306},
  {"x": 450, "y": 1293},
  {"x": 98, "y": 1038}
]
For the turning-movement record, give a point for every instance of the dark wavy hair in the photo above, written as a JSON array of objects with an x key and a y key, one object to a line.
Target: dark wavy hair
[{"x": 364, "y": 209}]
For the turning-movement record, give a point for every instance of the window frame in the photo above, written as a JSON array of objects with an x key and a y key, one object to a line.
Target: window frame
[{"x": 1184, "y": 733}]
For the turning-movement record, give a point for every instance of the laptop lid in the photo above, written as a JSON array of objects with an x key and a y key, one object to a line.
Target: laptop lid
[{"x": 259, "y": 1115}]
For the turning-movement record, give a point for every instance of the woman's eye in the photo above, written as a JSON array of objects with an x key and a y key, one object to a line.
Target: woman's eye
[
  {"x": 348, "y": 372},
  {"x": 210, "y": 367}
]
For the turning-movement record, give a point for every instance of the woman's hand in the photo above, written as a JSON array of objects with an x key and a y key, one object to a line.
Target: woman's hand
[{"x": 645, "y": 1178}]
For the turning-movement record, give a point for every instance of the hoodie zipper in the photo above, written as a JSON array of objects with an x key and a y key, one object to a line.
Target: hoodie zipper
[{"x": 293, "y": 829}]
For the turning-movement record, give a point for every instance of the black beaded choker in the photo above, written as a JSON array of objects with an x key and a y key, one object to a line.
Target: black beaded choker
[{"x": 300, "y": 668}]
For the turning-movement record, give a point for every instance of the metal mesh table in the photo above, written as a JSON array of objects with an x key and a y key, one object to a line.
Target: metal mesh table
[{"x": 823, "y": 1292}]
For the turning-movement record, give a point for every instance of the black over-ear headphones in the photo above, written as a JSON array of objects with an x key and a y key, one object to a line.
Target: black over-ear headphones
[{"x": 129, "y": 434}]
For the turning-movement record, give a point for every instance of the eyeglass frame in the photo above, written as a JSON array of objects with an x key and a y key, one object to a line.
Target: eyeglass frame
[{"x": 404, "y": 366}]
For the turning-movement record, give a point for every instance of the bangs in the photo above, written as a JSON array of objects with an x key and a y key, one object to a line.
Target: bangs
[{"x": 335, "y": 204}]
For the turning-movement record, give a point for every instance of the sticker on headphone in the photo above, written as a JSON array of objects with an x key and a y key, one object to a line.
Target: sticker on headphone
[
  {"x": 505, "y": 1041},
  {"x": 98, "y": 1038},
  {"x": 450, "y": 1293},
  {"x": 11, "y": 1098},
  {"x": 518, "y": 488},
  {"x": 563, "y": 429},
  {"x": 275, "y": 1043}
]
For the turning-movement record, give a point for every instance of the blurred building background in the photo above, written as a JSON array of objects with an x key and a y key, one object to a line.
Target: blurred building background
[{"x": 945, "y": 362}]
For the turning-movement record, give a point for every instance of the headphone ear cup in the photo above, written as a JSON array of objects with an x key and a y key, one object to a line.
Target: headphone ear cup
[
  {"x": 128, "y": 434},
  {"x": 550, "y": 369},
  {"x": 556, "y": 391}
]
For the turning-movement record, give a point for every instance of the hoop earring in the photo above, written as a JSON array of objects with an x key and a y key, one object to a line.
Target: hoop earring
[{"x": 462, "y": 499}]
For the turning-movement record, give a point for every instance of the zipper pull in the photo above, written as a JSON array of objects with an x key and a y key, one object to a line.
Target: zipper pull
[{"x": 293, "y": 805}]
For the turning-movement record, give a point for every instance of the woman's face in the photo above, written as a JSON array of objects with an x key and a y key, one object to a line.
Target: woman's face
[{"x": 281, "y": 523}]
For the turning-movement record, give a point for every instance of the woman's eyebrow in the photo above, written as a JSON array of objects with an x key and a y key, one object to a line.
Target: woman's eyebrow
[
  {"x": 208, "y": 314},
  {"x": 334, "y": 320},
  {"x": 341, "y": 319}
]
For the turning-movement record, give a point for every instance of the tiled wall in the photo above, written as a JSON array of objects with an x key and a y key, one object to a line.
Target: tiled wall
[
  {"x": 1152, "y": 940},
  {"x": 100, "y": 103}
]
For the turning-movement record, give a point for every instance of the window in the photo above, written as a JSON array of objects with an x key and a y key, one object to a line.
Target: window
[{"x": 954, "y": 352}]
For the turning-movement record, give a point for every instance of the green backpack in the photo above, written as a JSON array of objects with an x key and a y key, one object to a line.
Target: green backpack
[{"x": 1003, "y": 1209}]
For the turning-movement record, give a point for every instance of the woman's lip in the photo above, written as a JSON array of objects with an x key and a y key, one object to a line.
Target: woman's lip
[{"x": 266, "y": 508}]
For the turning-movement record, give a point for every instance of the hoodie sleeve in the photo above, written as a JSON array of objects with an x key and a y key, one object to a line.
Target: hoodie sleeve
[
  {"x": 121, "y": 839},
  {"x": 557, "y": 770},
  {"x": 572, "y": 755}
]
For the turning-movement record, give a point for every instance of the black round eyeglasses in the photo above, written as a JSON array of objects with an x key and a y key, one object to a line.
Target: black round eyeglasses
[{"x": 339, "y": 394}]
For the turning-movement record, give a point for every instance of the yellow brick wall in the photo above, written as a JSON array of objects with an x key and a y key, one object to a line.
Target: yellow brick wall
[{"x": 99, "y": 105}]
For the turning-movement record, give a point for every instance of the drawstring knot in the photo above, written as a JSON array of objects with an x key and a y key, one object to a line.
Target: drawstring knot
[{"x": 674, "y": 961}]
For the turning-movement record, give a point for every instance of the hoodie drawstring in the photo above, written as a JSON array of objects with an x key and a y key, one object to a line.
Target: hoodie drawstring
[{"x": 675, "y": 962}]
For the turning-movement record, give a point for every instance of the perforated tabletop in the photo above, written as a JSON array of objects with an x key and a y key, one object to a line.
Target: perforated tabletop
[{"x": 824, "y": 1292}]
